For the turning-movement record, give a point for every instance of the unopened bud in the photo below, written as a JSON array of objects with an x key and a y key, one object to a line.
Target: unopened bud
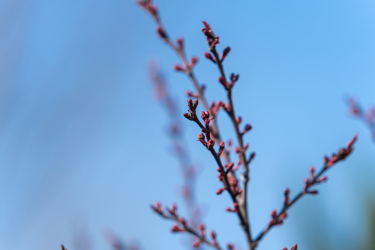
[
  {"x": 247, "y": 128},
  {"x": 161, "y": 32},
  {"x": 193, "y": 61},
  {"x": 209, "y": 57},
  {"x": 220, "y": 190},
  {"x": 195, "y": 103},
  {"x": 238, "y": 120},
  {"x": 180, "y": 43},
  {"x": 230, "y": 246},
  {"x": 178, "y": 68},
  {"x": 294, "y": 247},
  {"x": 225, "y": 53},
  {"x": 201, "y": 136},
  {"x": 190, "y": 103}
]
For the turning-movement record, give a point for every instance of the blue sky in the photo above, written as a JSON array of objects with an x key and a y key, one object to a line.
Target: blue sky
[{"x": 82, "y": 147}]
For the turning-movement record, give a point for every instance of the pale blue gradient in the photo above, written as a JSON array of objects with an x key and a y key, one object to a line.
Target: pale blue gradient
[{"x": 82, "y": 147}]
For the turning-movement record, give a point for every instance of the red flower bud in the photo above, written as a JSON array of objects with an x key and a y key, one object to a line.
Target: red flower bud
[
  {"x": 195, "y": 103},
  {"x": 190, "y": 103},
  {"x": 230, "y": 246},
  {"x": 196, "y": 244},
  {"x": 175, "y": 228},
  {"x": 182, "y": 221},
  {"x": 193, "y": 61},
  {"x": 351, "y": 142},
  {"x": 225, "y": 53},
  {"x": 180, "y": 43},
  {"x": 220, "y": 190},
  {"x": 313, "y": 192},
  {"x": 161, "y": 32},
  {"x": 190, "y": 94},
  {"x": 273, "y": 213},
  {"x": 222, "y": 81},
  {"x": 188, "y": 116},
  {"x": 213, "y": 235},
  {"x": 247, "y": 128},
  {"x": 209, "y": 57},
  {"x": 178, "y": 68},
  {"x": 201, "y": 136},
  {"x": 322, "y": 179},
  {"x": 294, "y": 247}
]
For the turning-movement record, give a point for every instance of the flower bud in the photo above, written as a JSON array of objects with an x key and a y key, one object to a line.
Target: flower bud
[
  {"x": 247, "y": 128},
  {"x": 180, "y": 43},
  {"x": 294, "y": 247},
  {"x": 178, "y": 68},
  {"x": 193, "y": 61},
  {"x": 195, "y": 103},
  {"x": 161, "y": 32},
  {"x": 201, "y": 136},
  {"x": 209, "y": 57},
  {"x": 225, "y": 53},
  {"x": 190, "y": 103}
]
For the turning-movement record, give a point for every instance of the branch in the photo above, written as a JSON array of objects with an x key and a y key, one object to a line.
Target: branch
[
  {"x": 182, "y": 226},
  {"x": 278, "y": 218},
  {"x": 229, "y": 108}
]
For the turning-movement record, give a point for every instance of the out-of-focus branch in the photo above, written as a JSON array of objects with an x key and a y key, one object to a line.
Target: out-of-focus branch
[
  {"x": 368, "y": 117},
  {"x": 187, "y": 67}
]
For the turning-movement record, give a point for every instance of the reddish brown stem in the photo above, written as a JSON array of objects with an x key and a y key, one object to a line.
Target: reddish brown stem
[{"x": 244, "y": 162}]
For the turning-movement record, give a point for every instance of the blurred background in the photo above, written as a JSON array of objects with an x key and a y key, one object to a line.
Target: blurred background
[{"x": 84, "y": 148}]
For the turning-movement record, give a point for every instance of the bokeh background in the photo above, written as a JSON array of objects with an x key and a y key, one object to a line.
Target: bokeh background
[{"x": 83, "y": 147}]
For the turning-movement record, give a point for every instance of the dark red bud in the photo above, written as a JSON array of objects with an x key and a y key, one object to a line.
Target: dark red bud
[
  {"x": 213, "y": 235},
  {"x": 286, "y": 191},
  {"x": 229, "y": 166},
  {"x": 252, "y": 156},
  {"x": 193, "y": 61},
  {"x": 273, "y": 213},
  {"x": 188, "y": 116},
  {"x": 203, "y": 115},
  {"x": 190, "y": 94},
  {"x": 178, "y": 68},
  {"x": 352, "y": 141},
  {"x": 230, "y": 246},
  {"x": 209, "y": 57},
  {"x": 190, "y": 103},
  {"x": 195, "y": 103},
  {"x": 225, "y": 53},
  {"x": 182, "y": 221},
  {"x": 312, "y": 169},
  {"x": 196, "y": 244},
  {"x": 294, "y": 247},
  {"x": 247, "y": 128},
  {"x": 175, "y": 228},
  {"x": 222, "y": 80},
  {"x": 161, "y": 32},
  {"x": 201, "y": 136},
  {"x": 220, "y": 190},
  {"x": 322, "y": 179},
  {"x": 180, "y": 43},
  {"x": 152, "y": 9},
  {"x": 238, "y": 120}
]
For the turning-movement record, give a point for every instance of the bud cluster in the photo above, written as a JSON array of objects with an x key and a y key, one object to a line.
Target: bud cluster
[
  {"x": 293, "y": 248},
  {"x": 212, "y": 40}
]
